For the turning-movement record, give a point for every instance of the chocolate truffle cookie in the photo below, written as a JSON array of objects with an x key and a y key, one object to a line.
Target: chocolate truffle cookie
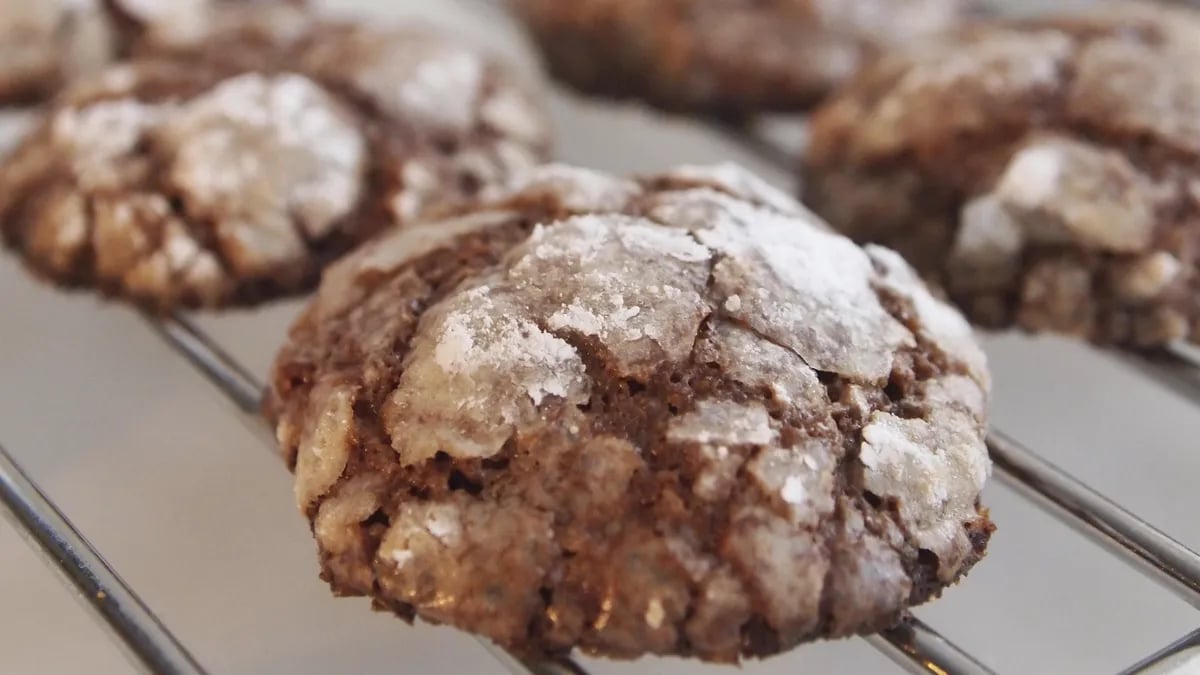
[
  {"x": 1047, "y": 173},
  {"x": 674, "y": 415},
  {"x": 729, "y": 57},
  {"x": 46, "y": 43},
  {"x": 43, "y": 43},
  {"x": 201, "y": 183}
]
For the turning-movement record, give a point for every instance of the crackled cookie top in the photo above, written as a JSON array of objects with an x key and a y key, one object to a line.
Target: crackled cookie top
[
  {"x": 203, "y": 183},
  {"x": 722, "y": 55},
  {"x": 1046, "y": 172},
  {"x": 670, "y": 415}
]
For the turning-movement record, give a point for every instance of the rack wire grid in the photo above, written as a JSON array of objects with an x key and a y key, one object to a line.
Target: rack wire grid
[{"x": 128, "y": 441}]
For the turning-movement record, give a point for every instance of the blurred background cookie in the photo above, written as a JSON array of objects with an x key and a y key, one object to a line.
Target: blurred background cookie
[
  {"x": 723, "y": 56},
  {"x": 1046, "y": 172},
  {"x": 208, "y": 182},
  {"x": 155, "y": 27},
  {"x": 43, "y": 43}
]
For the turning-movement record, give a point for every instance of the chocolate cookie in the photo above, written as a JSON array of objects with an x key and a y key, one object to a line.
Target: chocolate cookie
[
  {"x": 46, "y": 43},
  {"x": 1047, "y": 173},
  {"x": 43, "y": 43},
  {"x": 728, "y": 57},
  {"x": 202, "y": 183},
  {"x": 673, "y": 415}
]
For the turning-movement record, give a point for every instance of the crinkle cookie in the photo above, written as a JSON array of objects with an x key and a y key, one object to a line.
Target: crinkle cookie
[
  {"x": 43, "y": 43},
  {"x": 197, "y": 183},
  {"x": 46, "y": 43},
  {"x": 1047, "y": 173},
  {"x": 723, "y": 56},
  {"x": 673, "y": 415}
]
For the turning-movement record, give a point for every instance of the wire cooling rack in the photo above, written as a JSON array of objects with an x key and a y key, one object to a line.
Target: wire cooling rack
[{"x": 913, "y": 645}]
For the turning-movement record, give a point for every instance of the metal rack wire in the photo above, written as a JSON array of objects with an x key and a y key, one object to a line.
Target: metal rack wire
[{"x": 913, "y": 645}]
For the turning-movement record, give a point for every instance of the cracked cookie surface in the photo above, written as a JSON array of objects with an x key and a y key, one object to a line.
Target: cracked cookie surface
[
  {"x": 722, "y": 56},
  {"x": 670, "y": 415},
  {"x": 208, "y": 183},
  {"x": 1044, "y": 172}
]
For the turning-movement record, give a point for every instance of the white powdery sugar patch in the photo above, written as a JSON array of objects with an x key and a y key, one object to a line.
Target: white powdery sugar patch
[
  {"x": 420, "y": 184},
  {"x": 649, "y": 238},
  {"x": 511, "y": 113},
  {"x": 270, "y": 149},
  {"x": 801, "y": 477},
  {"x": 739, "y": 182},
  {"x": 655, "y": 614},
  {"x": 793, "y": 491},
  {"x": 935, "y": 469},
  {"x": 579, "y": 319},
  {"x": 756, "y": 362},
  {"x": 605, "y": 276},
  {"x": 959, "y": 391},
  {"x": 479, "y": 368},
  {"x": 987, "y": 248},
  {"x": 576, "y": 188},
  {"x": 420, "y": 535},
  {"x": 719, "y": 473},
  {"x": 1032, "y": 177},
  {"x": 804, "y": 288},
  {"x": 424, "y": 80},
  {"x": 944, "y": 324},
  {"x": 723, "y": 423},
  {"x": 471, "y": 343},
  {"x": 97, "y": 135},
  {"x": 442, "y": 521},
  {"x": 1061, "y": 190}
]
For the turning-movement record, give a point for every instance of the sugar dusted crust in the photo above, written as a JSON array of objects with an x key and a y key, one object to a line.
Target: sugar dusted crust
[
  {"x": 211, "y": 181},
  {"x": 1044, "y": 172},
  {"x": 669, "y": 415},
  {"x": 723, "y": 56}
]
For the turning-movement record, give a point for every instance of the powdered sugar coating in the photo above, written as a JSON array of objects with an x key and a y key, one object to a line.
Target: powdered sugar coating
[
  {"x": 898, "y": 463},
  {"x": 491, "y": 366},
  {"x": 447, "y": 95},
  {"x": 1030, "y": 168},
  {"x": 256, "y": 179},
  {"x": 263, "y": 156},
  {"x": 691, "y": 475},
  {"x": 771, "y": 256}
]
